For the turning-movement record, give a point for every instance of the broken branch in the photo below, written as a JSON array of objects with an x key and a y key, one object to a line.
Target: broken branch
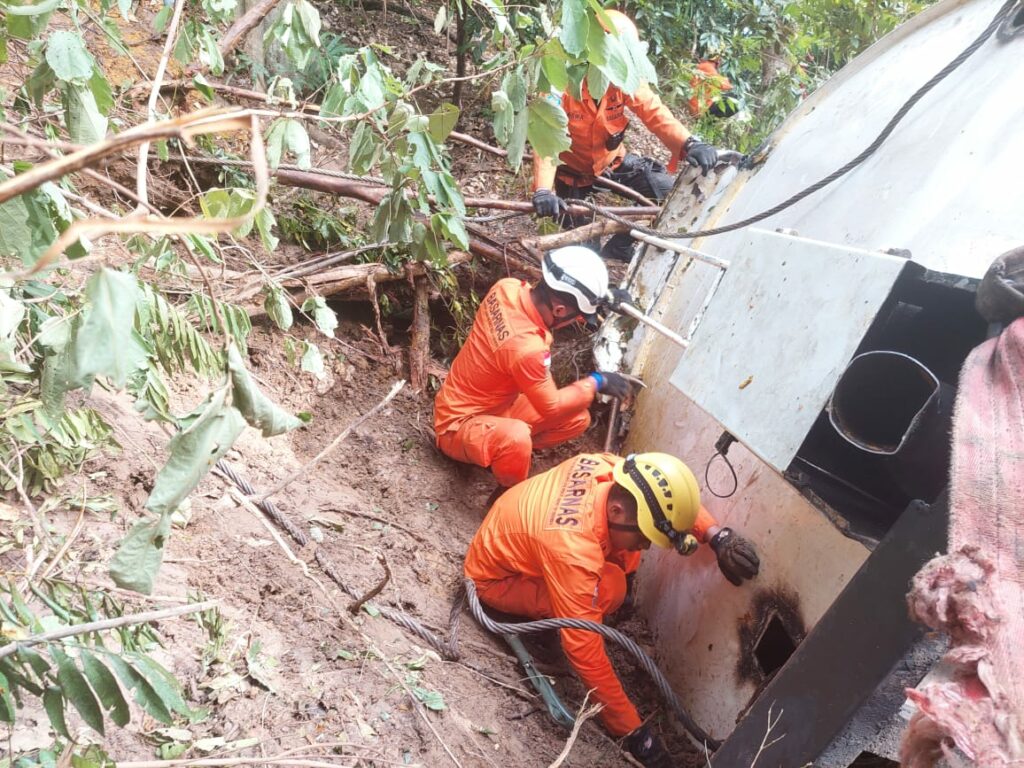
[
  {"x": 354, "y": 608},
  {"x": 242, "y": 26},
  {"x": 582, "y": 234},
  {"x": 582, "y": 716}
]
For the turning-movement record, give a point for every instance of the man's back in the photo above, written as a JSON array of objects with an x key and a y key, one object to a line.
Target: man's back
[{"x": 506, "y": 328}]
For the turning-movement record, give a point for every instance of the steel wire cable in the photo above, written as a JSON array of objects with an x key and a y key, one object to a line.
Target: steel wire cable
[
  {"x": 449, "y": 648},
  {"x": 864, "y": 155},
  {"x": 645, "y": 661}
]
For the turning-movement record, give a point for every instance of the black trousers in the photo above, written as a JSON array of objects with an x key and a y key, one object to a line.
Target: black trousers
[{"x": 641, "y": 174}]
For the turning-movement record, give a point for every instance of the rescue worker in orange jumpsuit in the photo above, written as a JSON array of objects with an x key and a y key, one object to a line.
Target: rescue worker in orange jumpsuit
[
  {"x": 563, "y": 543},
  {"x": 499, "y": 401},
  {"x": 711, "y": 92},
  {"x": 596, "y": 129}
]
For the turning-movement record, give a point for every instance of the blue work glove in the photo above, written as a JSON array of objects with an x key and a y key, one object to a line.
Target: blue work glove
[
  {"x": 648, "y": 748},
  {"x": 547, "y": 203},
  {"x": 612, "y": 384},
  {"x": 700, "y": 154}
]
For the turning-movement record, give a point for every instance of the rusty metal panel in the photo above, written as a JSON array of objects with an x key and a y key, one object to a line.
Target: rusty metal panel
[{"x": 785, "y": 321}]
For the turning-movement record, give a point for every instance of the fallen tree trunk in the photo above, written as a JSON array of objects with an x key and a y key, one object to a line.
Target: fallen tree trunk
[
  {"x": 354, "y": 276},
  {"x": 374, "y": 195}
]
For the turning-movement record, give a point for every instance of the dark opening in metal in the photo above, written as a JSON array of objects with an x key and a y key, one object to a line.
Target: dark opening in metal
[
  {"x": 775, "y": 646},
  {"x": 871, "y": 760},
  {"x": 880, "y": 399}
]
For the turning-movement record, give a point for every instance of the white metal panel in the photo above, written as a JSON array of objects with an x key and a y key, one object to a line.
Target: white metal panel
[{"x": 785, "y": 321}]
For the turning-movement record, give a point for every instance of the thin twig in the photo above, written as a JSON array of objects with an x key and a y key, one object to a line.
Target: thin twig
[
  {"x": 354, "y": 608},
  {"x": 582, "y": 716},
  {"x": 37, "y": 520},
  {"x": 765, "y": 744},
  {"x": 99, "y": 626},
  {"x": 335, "y": 442},
  {"x": 143, "y": 168}
]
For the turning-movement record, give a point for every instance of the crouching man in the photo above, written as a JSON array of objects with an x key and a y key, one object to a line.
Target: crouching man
[{"x": 562, "y": 543}]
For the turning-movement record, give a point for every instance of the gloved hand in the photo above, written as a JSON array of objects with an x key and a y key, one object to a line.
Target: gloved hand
[
  {"x": 613, "y": 384},
  {"x": 736, "y": 556},
  {"x": 618, "y": 296},
  {"x": 648, "y": 748},
  {"x": 547, "y": 203},
  {"x": 700, "y": 154}
]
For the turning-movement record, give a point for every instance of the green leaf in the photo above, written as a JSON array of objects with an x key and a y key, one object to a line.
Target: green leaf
[
  {"x": 575, "y": 26},
  {"x": 312, "y": 360},
  {"x": 442, "y": 122},
  {"x": 297, "y": 141},
  {"x": 514, "y": 84},
  {"x": 106, "y": 687},
  {"x": 547, "y": 129},
  {"x": 203, "y": 86},
  {"x": 53, "y": 703},
  {"x": 597, "y": 81},
  {"x": 77, "y": 690},
  {"x": 86, "y": 124},
  {"x": 257, "y": 409},
  {"x": 618, "y": 66},
  {"x": 275, "y": 142},
  {"x": 106, "y": 343},
  {"x": 162, "y": 682},
  {"x": 101, "y": 92},
  {"x": 433, "y": 700},
  {"x": 324, "y": 317},
  {"x": 141, "y": 689},
  {"x": 364, "y": 149},
  {"x": 7, "y": 713},
  {"x": 277, "y": 307},
  {"x": 67, "y": 56},
  {"x": 26, "y": 227},
  {"x": 504, "y": 115},
  {"x": 40, "y": 83},
  {"x": 553, "y": 64},
  {"x": 26, "y": 22},
  {"x": 517, "y": 141},
  {"x": 140, "y": 555},
  {"x": 194, "y": 451}
]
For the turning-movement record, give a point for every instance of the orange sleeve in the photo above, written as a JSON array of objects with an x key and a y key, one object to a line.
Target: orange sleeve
[
  {"x": 533, "y": 379},
  {"x": 703, "y": 524},
  {"x": 544, "y": 169},
  {"x": 646, "y": 104},
  {"x": 573, "y": 591}
]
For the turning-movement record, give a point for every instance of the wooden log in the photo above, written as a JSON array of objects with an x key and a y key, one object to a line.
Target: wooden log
[
  {"x": 419, "y": 344},
  {"x": 582, "y": 234}
]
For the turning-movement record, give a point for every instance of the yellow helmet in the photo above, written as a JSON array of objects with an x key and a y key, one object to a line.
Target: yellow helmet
[{"x": 667, "y": 498}]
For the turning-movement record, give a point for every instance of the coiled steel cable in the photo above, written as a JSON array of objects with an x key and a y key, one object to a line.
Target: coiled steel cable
[
  {"x": 449, "y": 648},
  {"x": 645, "y": 661},
  {"x": 838, "y": 173}
]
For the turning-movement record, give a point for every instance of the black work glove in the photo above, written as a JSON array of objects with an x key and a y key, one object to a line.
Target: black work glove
[
  {"x": 613, "y": 384},
  {"x": 648, "y": 748},
  {"x": 736, "y": 556},
  {"x": 547, "y": 203},
  {"x": 618, "y": 296},
  {"x": 700, "y": 154}
]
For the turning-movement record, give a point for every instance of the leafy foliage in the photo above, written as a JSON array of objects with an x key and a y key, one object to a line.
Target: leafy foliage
[{"x": 82, "y": 672}]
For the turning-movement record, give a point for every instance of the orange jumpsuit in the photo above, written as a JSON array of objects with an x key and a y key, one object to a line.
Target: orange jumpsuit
[
  {"x": 499, "y": 401},
  {"x": 590, "y": 127},
  {"x": 544, "y": 551},
  {"x": 706, "y": 85}
]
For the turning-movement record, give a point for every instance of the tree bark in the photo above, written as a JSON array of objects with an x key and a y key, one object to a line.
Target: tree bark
[
  {"x": 246, "y": 23},
  {"x": 460, "y": 53},
  {"x": 582, "y": 234}
]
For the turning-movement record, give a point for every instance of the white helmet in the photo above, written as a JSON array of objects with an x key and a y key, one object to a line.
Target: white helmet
[{"x": 579, "y": 272}]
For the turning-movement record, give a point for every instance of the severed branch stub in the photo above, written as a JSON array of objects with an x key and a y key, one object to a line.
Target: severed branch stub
[{"x": 354, "y": 608}]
